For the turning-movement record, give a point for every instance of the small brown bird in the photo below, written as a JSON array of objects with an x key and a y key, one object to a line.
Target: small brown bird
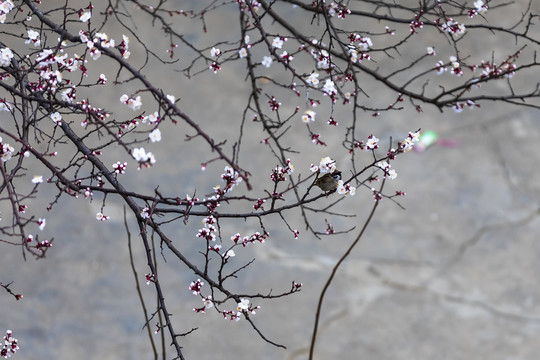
[{"x": 329, "y": 182}]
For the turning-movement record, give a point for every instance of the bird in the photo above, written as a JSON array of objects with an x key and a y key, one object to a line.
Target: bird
[{"x": 329, "y": 181}]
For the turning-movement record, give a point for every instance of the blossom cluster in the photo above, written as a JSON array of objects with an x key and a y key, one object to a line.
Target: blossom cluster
[
  {"x": 101, "y": 217},
  {"x": 150, "y": 278},
  {"x": 145, "y": 212},
  {"x": 246, "y": 240},
  {"x": 196, "y": 286},
  {"x": 279, "y": 173},
  {"x": 5, "y": 56},
  {"x": 6, "y": 151},
  {"x": 52, "y": 63},
  {"x": 345, "y": 189},
  {"x": 100, "y": 39},
  {"x": 4, "y": 105},
  {"x": 313, "y": 79},
  {"x": 209, "y": 229},
  {"x": 10, "y": 346},
  {"x": 133, "y": 103},
  {"x": 119, "y": 167},
  {"x": 489, "y": 71},
  {"x": 309, "y": 116},
  {"x": 358, "y": 46},
  {"x": 40, "y": 245},
  {"x": 385, "y": 167},
  {"x": 274, "y": 104},
  {"x": 208, "y": 233},
  {"x": 143, "y": 158},
  {"x": 406, "y": 145},
  {"x": 231, "y": 178},
  {"x": 322, "y": 57},
  {"x": 416, "y": 23},
  {"x": 411, "y": 139},
  {"x": 458, "y": 107},
  {"x": 241, "y": 307},
  {"x": 338, "y": 9},
  {"x": 480, "y": 8},
  {"x": 259, "y": 204},
  {"x": 5, "y": 7},
  {"x": 453, "y": 27},
  {"x": 494, "y": 71},
  {"x": 326, "y": 165},
  {"x": 372, "y": 143}
]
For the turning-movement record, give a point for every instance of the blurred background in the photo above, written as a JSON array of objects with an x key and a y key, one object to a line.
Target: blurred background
[{"x": 451, "y": 276}]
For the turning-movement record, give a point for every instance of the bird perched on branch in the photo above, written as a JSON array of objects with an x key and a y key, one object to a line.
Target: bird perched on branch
[{"x": 329, "y": 181}]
